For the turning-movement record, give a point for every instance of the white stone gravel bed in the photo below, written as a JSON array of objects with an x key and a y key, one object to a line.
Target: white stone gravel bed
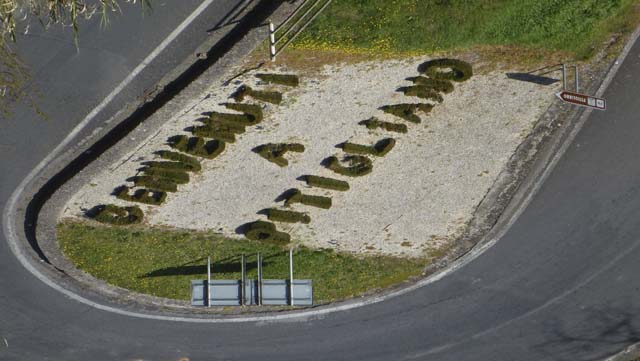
[{"x": 417, "y": 197}]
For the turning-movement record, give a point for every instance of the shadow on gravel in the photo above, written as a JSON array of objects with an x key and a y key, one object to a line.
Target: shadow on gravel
[
  {"x": 531, "y": 78},
  {"x": 227, "y": 265},
  {"x": 605, "y": 332},
  {"x": 255, "y": 18}
]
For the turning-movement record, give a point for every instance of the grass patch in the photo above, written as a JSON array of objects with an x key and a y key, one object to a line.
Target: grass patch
[
  {"x": 439, "y": 85},
  {"x": 177, "y": 176},
  {"x": 146, "y": 196},
  {"x": 179, "y": 157},
  {"x": 356, "y": 165},
  {"x": 295, "y": 196},
  {"x": 197, "y": 146},
  {"x": 263, "y": 95},
  {"x": 460, "y": 70},
  {"x": 266, "y": 232},
  {"x": 254, "y": 110},
  {"x": 407, "y": 111},
  {"x": 162, "y": 262},
  {"x": 177, "y": 166},
  {"x": 274, "y": 152},
  {"x": 117, "y": 216},
  {"x": 157, "y": 183},
  {"x": 326, "y": 183},
  {"x": 278, "y": 215},
  {"x": 412, "y": 26},
  {"x": 380, "y": 149},
  {"x": 282, "y": 79},
  {"x": 374, "y": 123},
  {"x": 422, "y": 92}
]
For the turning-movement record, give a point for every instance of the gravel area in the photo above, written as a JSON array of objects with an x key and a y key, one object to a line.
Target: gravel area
[{"x": 418, "y": 196}]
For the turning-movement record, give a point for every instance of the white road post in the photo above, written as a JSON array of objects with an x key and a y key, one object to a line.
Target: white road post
[
  {"x": 564, "y": 77},
  {"x": 291, "y": 275},
  {"x": 272, "y": 41},
  {"x": 575, "y": 67},
  {"x": 208, "y": 281}
]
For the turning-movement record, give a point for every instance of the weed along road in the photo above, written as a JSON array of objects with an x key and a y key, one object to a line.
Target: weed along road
[{"x": 560, "y": 283}]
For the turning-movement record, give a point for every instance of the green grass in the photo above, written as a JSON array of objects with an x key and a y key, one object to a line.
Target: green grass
[
  {"x": 162, "y": 262},
  {"x": 576, "y": 26}
]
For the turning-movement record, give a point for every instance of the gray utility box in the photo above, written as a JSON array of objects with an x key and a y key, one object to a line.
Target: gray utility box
[{"x": 229, "y": 293}]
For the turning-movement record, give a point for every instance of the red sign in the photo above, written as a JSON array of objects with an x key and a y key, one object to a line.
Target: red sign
[{"x": 582, "y": 100}]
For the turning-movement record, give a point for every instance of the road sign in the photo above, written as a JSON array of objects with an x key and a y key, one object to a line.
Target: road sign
[{"x": 582, "y": 100}]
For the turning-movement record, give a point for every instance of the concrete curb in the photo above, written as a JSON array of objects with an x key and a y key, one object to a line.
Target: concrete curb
[{"x": 110, "y": 299}]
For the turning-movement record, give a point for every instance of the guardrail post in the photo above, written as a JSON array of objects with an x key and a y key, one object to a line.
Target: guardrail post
[
  {"x": 208, "y": 281},
  {"x": 564, "y": 77},
  {"x": 243, "y": 282},
  {"x": 259, "y": 279},
  {"x": 272, "y": 41},
  {"x": 291, "y": 276},
  {"x": 575, "y": 68}
]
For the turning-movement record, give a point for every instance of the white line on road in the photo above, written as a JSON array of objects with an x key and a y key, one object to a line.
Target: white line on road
[{"x": 6, "y": 343}]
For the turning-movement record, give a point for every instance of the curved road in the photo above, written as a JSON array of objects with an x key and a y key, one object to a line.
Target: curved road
[{"x": 561, "y": 284}]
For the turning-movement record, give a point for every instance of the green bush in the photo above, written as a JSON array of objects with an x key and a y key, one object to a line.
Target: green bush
[
  {"x": 207, "y": 131},
  {"x": 265, "y": 96},
  {"x": 278, "y": 215},
  {"x": 179, "y": 157},
  {"x": 157, "y": 183},
  {"x": 380, "y": 149},
  {"x": 407, "y": 111},
  {"x": 177, "y": 176},
  {"x": 266, "y": 232},
  {"x": 460, "y": 70},
  {"x": 282, "y": 79},
  {"x": 423, "y": 92},
  {"x": 308, "y": 200},
  {"x": 197, "y": 146},
  {"x": 241, "y": 119},
  {"x": 357, "y": 165},
  {"x": 327, "y": 183},
  {"x": 373, "y": 123},
  {"x": 229, "y": 127},
  {"x": 439, "y": 85},
  {"x": 274, "y": 152},
  {"x": 181, "y": 166},
  {"x": 118, "y": 216},
  {"x": 252, "y": 109},
  {"x": 146, "y": 196}
]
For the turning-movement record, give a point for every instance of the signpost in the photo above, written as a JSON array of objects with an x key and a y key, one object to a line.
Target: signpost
[{"x": 582, "y": 100}]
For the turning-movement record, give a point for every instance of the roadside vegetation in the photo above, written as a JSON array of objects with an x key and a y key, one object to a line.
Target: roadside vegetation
[
  {"x": 161, "y": 262},
  {"x": 417, "y": 26}
]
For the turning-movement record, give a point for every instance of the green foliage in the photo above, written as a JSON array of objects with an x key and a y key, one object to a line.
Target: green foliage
[
  {"x": 240, "y": 119},
  {"x": 282, "y": 79},
  {"x": 208, "y": 131},
  {"x": 380, "y": 149},
  {"x": 179, "y": 157},
  {"x": 460, "y": 70},
  {"x": 177, "y": 176},
  {"x": 578, "y": 26},
  {"x": 407, "y": 111},
  {"x": 161, "y": 261},
  {"x": 197, "y": 146},
  {"x": 357, "y": 165},
  {"x": 274, "y": 152},
  {"x": 217, "y": 125},
  {"x": 179, "y": 166},
  {"x": 266, "y": 232},
  {"x": 439, "y": 85},
  {"x": 146, "y": 196},
  {"x": 263, "y": 95},
  {"x": 157, "y": 183},
  {"x": 326, "y": 183},
  {"x": 423, "y": 92},
  {"x": 308, "y": 200},
  {"x": 278, "y": 215},
  {"x": 254, "y": 110},
  {"x": 118, "y": 216},
  {"x": 373, "y": 123}
]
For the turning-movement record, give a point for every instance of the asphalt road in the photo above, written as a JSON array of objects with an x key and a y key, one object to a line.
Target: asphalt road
[{"x": 561, "y": 284}]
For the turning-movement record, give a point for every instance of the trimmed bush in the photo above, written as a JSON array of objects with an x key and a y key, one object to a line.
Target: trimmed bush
[
  {"x": 274, "y": 152},
  {"x": 157, "y": 183},
  {"x": 197, "y": 146},
  {"x": 177, "y": 176},
  {"x": 118, "y": 216},
  {"x": 357, "y": 165},
  {"x": 243, "y": 119},
  {"x": 252, "y": 109},
  {"x": 282, "y": 79},
  {"x": 265, "y": 96},
  {"x": 229, "y": 127},
  {"x": 308, "y": 200},
  {"x": 179, "y": 157},
  {"x": 380, "y": 149},
  {"x": 278, "y": 215},
  {"x": 211, "y": 132},
  {"x": 373, "y": 123},
  {"x": 460, "y": 70},
  {"x": 146, "y": 196},
  {"x": 266, "y": 232},
  {"x": 423, "y": 92},
  {"x": 407, "y": 111},
  {"x": 187, "y": 167},
  {"x": 326, "y": 183},
  {"x": 439, "y": 85}
]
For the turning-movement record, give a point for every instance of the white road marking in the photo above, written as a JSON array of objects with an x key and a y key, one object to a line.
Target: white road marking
[
  {"x": 6, "y": 343},
  {"x": 302, "y": 316}
]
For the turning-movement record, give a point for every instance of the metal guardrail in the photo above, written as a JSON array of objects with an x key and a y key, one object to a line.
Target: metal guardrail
[{"x": 288, "y": 31}]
